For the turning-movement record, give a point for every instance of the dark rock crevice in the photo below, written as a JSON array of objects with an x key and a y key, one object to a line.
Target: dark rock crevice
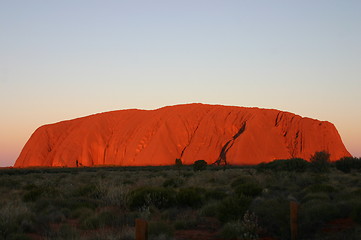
[
  {"x": 192, "y": 135},
  {"x": 278, "y": 118},
  {"x": 222, "y": 159},
  {"x": 296, "y": 147},
  {"x": 107, "y": 144},
  {"x": 190, "y": 140}
]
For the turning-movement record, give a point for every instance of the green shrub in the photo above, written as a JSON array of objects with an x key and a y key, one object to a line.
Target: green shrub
[
  {"x": 199, "y": 165},
  {"x": 105, "y": 218},
  {"x": 90, "y": 222},
  {"x": 173, "y": 182},
  {"x": 41, "y": 205},
  {"x": 232, "y": 208},
  {"x": 246, "y": 186},
  {"x": 209, "y": 210},
  {"x": 231, "y": 230},
  {"x": 241, "y": 180},
  {"x": 160, "y": 229},
  {"x": 127, "y": 233},
  {"x": 246, "y": 229},
  {"x": 128, "y": 182},
  {"x": 12, "y": 215},
  {"x": 109, "y": 218},
  {"x": 187, "y": 174},
  {"x": 30, "y": 186},
  {"x": 112, "y": 195},
  {"x": 67, "y": 231},
  {"x": 316, "y": 188},
  {"x": 49, "y": 215},
  {"x": 314, "y": 214},
  {"x": 347, "y": 207},
  {"x": 147, "y": 196},
  {"x": 314, "y": 196},
  {"x": 357, "y": 193},
  {"x": 322, "y": 188},
  {"x": 35, "y": 192},
  {"x": 9, "y": 182},
  {"x": 70, "y": 203},
  {"x": 190, "y": 197},
  {"x": 273, "y": 215},
  {"x": 18, "y": 236},
  {"x": 320, "y": 161},
  {"x": 291, "y": 165},
  {"x": 85, "y": 190},
  {"x": 185, "y": 224},
  {"x": 81, "y": 213},
  {"x": 346, "y": 164},
  {"x": 215, "y": 193},
  {"x": 100, "y": 214},
  {"x": 356, "y": 211},
  {"x": 170, "y": 214},
  {"x": 248, "y": 189}
]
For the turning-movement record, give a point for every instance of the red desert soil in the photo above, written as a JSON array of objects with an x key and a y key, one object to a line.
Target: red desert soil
[{"x": 236, "y": 135}]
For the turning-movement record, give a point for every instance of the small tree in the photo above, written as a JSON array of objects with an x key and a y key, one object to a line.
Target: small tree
[
  {"x": 320, "y": 161},
  {"x": 347, "y": 164},
  {"x": 199, "y": 165},
  {"x": 178, "y": 162}
]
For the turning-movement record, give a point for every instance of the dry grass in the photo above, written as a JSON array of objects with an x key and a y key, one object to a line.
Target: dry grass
[{"x": 93, "y": 203}]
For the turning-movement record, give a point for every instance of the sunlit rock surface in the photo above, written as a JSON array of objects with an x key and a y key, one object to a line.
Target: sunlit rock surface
[{"x": 214, "y": 133}]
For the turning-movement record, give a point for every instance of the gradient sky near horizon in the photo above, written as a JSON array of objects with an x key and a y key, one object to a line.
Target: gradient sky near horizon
[{"x": 65, "y": 59}]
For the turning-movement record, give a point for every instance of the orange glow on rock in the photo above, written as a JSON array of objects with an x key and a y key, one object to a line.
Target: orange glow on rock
[{"x": 191, "y": 132}]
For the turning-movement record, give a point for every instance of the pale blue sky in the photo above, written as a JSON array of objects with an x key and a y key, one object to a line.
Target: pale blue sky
[{"x": 65, "y": 59}]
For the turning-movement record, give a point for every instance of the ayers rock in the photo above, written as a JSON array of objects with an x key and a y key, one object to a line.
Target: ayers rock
[{"x": 236, "y": 135}]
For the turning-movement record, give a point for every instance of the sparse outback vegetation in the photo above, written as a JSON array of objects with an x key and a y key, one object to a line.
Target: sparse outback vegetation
[{"x": 250, "y": 202}]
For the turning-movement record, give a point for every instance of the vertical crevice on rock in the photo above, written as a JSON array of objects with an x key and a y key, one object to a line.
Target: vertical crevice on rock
[
  {"x": 293, "y": 147},
  {"x": 192, "y": 136},
  {"x": 49, "y": 145},
  {"x": 222, "y": 159},
  {"x": 190, "y": 140},
  {"x": 107, "y": 146},
  {"x": 105, "y": 152},
  {"x": 278, "y": 119}
]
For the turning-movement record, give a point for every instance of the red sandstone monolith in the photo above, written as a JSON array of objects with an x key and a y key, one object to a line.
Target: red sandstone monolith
[{"x": 215, "y": 133}]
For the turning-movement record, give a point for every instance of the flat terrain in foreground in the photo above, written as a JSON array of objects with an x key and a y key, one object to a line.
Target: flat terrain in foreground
[{"x": 178, "y": 203}]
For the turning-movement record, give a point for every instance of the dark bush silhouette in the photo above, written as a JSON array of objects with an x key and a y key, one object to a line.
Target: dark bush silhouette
[
  {"x": 178, "y": 162},
  {"x": 320, "y": 161},
  {"x": 346, "y": 164},
  {"x": 290, "y": 165},
  {"x": 199, "y": 165}
]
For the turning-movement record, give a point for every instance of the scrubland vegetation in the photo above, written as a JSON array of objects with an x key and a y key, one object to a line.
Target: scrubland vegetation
[{"x": 184, "y": 202}]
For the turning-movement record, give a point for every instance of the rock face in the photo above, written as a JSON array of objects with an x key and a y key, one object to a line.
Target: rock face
[{"x": 235, "y": 135}]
